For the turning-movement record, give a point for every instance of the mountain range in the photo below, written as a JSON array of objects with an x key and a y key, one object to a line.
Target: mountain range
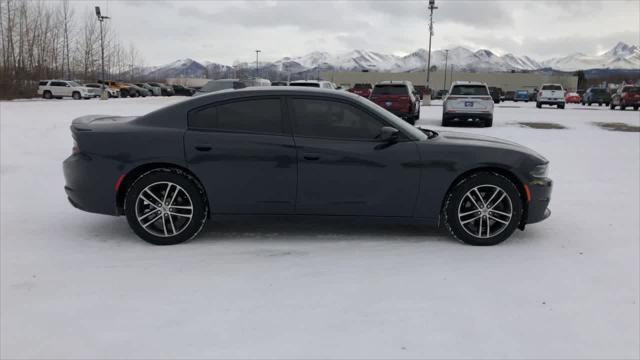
[{"x": 621, "y": 56}]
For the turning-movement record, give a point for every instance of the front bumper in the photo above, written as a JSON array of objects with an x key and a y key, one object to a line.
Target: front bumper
[{"x": 538, "y": 208}]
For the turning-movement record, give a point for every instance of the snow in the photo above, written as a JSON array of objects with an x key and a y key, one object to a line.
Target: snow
[{"x": 79, "y": 285}]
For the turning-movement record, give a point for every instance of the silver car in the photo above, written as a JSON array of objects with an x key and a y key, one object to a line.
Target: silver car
[{"x": 468, "y": 102}]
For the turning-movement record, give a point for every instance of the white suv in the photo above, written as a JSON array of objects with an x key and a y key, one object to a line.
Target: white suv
[
  {"x": 550, "y": 94},
  {"x": 468, "y": 101},
  {"x": 64, "y": 88}
]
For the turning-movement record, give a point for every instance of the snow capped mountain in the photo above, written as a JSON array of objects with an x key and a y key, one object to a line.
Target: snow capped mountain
[{"x": 621, "y": 56}]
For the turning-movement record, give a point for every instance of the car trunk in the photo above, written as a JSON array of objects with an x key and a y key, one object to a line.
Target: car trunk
[{"x": 392, "y": 97}]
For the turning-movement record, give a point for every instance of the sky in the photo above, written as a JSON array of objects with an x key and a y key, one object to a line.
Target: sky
[{"x": 229, "y": 31}]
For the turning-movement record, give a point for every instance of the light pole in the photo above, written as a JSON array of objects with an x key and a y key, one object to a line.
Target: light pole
[
  {"x": 101, "y": 18},
  {"x": 257, "y": 52},
  {"x": 432, "y": 6},
  {"x": 446, "y": 58}
]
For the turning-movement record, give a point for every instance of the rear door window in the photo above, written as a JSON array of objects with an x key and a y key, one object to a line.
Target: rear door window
[
  {"x": 43, "y": 83},
  {"x": 552, "y": 87},
  {"x": 253, "y": 115}
]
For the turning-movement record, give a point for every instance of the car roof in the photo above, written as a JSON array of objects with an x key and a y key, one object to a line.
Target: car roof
[{"x": 462, "y": 82}]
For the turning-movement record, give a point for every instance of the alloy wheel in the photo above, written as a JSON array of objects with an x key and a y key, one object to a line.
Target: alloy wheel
[
  {"x": 485, "y": 211},
  {"x": 164, "y": 209}
]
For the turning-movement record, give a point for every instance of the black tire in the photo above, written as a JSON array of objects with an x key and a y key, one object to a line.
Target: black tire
[
  {"x": 457, "y": 199},
  {"x": 589, "y": 103},
  {"x": 599, "y": 104},
  {"x": 612, "y": 106},
  {"x": 190, "y": 186},
  {"x": 526, "y": 101},
  {"x": 560, "y": 106},
  {"x": 124, "y": 93},
  {"x": 446, "y": 122},
  {"x": 488, "y": 122},
  {"x": 635, "y": 108},
  {"x": 47, "y": 94},
  {"x": 76, "y": 95},
  {"x": 623, "y": 107},
  {"x": 538, "y": 105},
  {"x": 606, "y": 104}
]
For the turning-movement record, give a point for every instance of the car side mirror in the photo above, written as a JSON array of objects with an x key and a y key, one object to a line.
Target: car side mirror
[{"x": 389, "y": 134}]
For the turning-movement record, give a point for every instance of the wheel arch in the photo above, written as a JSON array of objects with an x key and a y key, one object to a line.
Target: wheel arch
[
  {"x": 131, "y": 176},
  {"x": 500, "y": 171}
]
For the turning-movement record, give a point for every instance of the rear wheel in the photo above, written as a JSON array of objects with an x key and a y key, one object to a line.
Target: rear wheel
[
  {"x": 166, "y": 207},
  {"x": 483, "y": 209},
  {"x": 612, "y": 106},
  {"x": 76, "y": 95},
  {"x": 488, "y": 122},
  {"x": 538, "y": 105},
  {"x": 47, "y": 95},
  {"x": 560, "y": 106},
  {"x": 623, "y": 107},
  {"x": 635, "y": 108}
]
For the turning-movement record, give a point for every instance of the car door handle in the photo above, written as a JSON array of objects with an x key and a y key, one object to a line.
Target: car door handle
[
  {"x": 311, "y": 157},
  {"x": 203, "y": 147}
]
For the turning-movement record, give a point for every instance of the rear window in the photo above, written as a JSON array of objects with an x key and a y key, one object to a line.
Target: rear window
[
  {"x": 552, "y": 87},
  {"x": 362, "y": 86},
  {"x": 469, "y": 90},
  {"x": 631, "y": 89},
  {"x": 306, "y": 84},
  {"x": 43, "y": 83},
  {"x": 260, "y": 115},
  {"x": 522, "y": 92},
  {"x": 390, "y": 90}
]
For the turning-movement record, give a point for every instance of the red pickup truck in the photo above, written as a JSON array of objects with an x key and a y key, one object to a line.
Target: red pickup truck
[{"x": 627, "y": 95}]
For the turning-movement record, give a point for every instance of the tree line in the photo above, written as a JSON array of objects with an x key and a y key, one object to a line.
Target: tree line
[{"x": 43, "y": 39}]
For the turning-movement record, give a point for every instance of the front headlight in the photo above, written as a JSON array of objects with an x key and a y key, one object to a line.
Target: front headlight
[{"x": 540, "y": 171}]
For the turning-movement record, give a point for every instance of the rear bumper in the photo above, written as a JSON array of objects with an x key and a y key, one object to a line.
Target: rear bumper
[
  {"x": 462, "y": 116},
  {"x": 550, "y": 101},
  {"x": 87, "y": 187},
  {"x": 538, "y": 208}
]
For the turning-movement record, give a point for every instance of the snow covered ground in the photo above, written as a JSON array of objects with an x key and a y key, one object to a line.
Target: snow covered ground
[{"x": 78, "y": 285}]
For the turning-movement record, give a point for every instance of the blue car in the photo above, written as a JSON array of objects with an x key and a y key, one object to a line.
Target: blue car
[{"x": 521, "y": 95}]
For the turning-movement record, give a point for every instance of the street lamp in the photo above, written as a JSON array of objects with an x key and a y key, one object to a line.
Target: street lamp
[
  {"x": 432, "y": 6},
  {"x": 446, "y": 58},
  {"x": 101, "y": 18},
  {"x": 257, "y": 52}
]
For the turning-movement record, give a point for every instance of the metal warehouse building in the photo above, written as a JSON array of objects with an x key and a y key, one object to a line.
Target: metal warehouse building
[{"x": 506, "y": 81}]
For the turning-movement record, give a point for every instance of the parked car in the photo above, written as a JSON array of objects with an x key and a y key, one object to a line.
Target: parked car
[
  {"x": 135, "y": 91},
  {"x": 296, "y": 151},
  {"x": 257, "y": 82},
  {"x": 440, "y": 94},
  {"x": 165, "y": 90},
  {"x": 313, "y": 83},
  {"x": 184, "y": 91},
  {"x": 398, "y": 97},
  {"x": 521, "y": 95},
  {"x": 153, "y": 90},
  {"x": 596, "y": 95},
  {"x": 468, "y": 101},
  {"x": 496, "y": 94},
  {"x": 112, "y": 92},
  {"x": 121, "y": 87},
  {"x": 508, "y": 96},
  {"x": 422, "y": 90},
  {"x": 626, "y": 96},
  {"x": 572, "y": 98},
  {"x": 58, "y": 89},
  {"x": 362, "y": 89},
  {"x": 550, "y": 94},
  {"x": 221, "y": 84}
]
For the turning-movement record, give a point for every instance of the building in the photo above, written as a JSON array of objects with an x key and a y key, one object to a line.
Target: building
[{"x": 506, "y": 81}]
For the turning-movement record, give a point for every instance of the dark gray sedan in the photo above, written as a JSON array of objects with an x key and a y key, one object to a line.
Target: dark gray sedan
[{"x": 298, "y": 151}]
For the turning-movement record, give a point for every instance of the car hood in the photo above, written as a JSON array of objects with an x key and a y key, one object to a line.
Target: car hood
[{"x": 473, "y": 140}]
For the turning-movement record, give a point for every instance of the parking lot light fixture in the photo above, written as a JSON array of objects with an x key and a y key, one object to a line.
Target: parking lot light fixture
[
  {"x": 257, "y": 52},
  {"x": 432, "y": 6},
  {"x": 101, "y": 18}
]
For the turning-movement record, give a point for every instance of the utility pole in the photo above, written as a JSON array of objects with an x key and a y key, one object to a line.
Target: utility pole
[
  {"x": 446, "y": 58},
  {"x": 257, "y": 52},
  {"x": 101, "y": 19},
  {"x": 432, "y": 6}
]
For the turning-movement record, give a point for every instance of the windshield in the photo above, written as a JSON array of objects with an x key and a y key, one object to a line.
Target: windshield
[
  {"x": 212, "y": 86},
  {"x": 634, "y": 89},
  {"x": 469, "y": 90},
  {"x": 522, "y": 92},
  {"x": 552, "y": 87},
  {"x": 390, "y": 90},
  {"x": 305, "y": 84}
]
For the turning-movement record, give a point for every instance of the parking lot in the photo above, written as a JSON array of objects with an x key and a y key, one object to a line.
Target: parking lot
[{"x": 78, "y": 285}]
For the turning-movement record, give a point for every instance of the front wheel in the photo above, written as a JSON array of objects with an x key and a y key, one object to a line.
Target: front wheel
[
  {"x": 75, "y": 95},
  {"x": 166, "y": 207},
  {"x": 538, "y": 105},
  {"x": 483, "y": 209}
]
